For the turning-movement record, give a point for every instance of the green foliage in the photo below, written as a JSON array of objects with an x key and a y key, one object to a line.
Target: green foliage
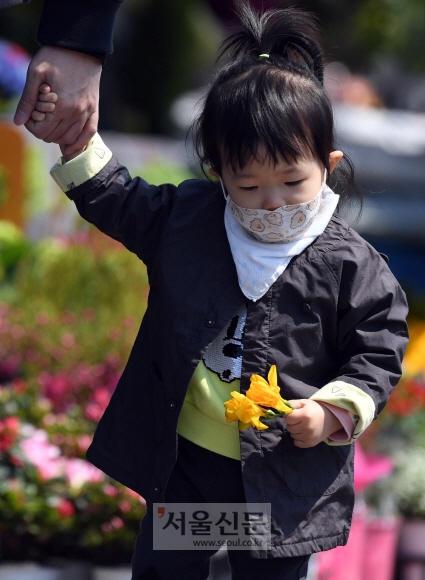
[
  {"x": 396, "y": 27},
  {"x": 158, "y": 172},
  {"x": 76, "y": 303},
  {"x": 71, "y": 277},
  {"x": 35, "y": 180},
  {"x": 13, "y": 246}
]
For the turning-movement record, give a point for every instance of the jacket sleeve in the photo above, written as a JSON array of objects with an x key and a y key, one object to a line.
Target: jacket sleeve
[
  {"x": 82, "y": 25},
  {"x": 372, "y": 336},
  {"x": 129, "y": 210},
  {"x": 8, "y": 3}
]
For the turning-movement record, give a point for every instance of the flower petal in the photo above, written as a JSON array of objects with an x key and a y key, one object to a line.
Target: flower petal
[{"x": 272, "y": 376}]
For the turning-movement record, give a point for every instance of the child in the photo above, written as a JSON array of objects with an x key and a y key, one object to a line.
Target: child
[{"x": 267, "y": 274}]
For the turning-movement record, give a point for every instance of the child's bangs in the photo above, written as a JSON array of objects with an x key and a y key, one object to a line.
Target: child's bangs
[
  {"x": 264, "y": 140},
  {"x": 266, "y": 114}
]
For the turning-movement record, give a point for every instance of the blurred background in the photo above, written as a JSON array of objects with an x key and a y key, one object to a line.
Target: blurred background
[{"x": 55, "y": 381}]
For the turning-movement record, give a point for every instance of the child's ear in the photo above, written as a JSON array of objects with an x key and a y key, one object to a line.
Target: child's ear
[
  {"x": 214, "y": 173},
  {"x": 334, "y": 158}
]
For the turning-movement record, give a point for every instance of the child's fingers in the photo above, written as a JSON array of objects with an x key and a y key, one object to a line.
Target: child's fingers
[
  {"x": 45, "y": 107},
  {"x": 45, "y": 104},
  {"x": 38, "y": 116},
  {"x": 48, "y": 97},
  {"x": 44, "y": 88}
]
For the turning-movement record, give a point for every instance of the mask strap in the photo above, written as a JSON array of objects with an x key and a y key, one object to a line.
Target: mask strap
[{"x": 226, "y": 195}]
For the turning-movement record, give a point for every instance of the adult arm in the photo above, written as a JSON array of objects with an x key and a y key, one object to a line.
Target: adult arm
[
  {"x": 77, "y": 35},
  {"x": 8, "y": 3},
  {"x": 81, "y": 25}
]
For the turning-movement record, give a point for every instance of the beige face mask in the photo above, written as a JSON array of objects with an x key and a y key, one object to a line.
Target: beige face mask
[{"x": 282, "y": 225}]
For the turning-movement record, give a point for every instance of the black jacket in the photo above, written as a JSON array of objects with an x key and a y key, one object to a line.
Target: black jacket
[
  {"x": 336, "y": 313},
  {"x": 82, "y": 25}
]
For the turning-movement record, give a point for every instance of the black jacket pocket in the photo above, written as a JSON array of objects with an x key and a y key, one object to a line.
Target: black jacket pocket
[{"x": 315, "y": 471}]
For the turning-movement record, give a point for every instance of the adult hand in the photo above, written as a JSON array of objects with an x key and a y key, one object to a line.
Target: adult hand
[
  {"x": 47, "y": 104},
  {"x": 310, "y": 423},
  {"x": 74, "y": 77}
]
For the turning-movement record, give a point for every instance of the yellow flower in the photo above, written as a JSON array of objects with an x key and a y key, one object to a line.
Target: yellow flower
[
  {"x": 239, "y": 408},
  {"x": 267, "y": 394},
  {"x": 248, "y": 409}
]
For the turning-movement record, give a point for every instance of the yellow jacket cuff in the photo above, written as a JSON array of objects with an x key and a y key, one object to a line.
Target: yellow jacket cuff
[
  {"x": 345, "y": 396},
  {"x": 73, "y": 173}
]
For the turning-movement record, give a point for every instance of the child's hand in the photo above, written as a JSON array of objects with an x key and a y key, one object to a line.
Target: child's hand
[
  {"x": 310, "y": 423},
  {"x": 45, "y": 104}
]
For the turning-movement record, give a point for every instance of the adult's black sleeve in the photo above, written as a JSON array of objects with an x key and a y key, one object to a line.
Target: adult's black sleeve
[
  {"x": 82, "y": 25},
  {"x": 8, "y": 3}
]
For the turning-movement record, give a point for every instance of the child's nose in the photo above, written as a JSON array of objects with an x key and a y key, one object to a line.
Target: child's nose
[{"x": 272, "y": 201}]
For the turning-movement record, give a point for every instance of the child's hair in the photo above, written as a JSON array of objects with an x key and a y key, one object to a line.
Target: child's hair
[{"x": 270, "y": 96}]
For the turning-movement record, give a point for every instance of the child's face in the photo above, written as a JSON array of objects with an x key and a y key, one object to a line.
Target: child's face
[{"x": 264, "y": 185}]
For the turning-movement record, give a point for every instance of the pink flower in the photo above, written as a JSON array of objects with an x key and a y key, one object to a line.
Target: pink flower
[
  {"x": 68, "y": 317},
  {"x": 49, "y": 419},
  {"x": 93, "y": 412},
  {"x": 79, "y": 472},
  {"x": 42, "y": 318},
  {"x": 132, "y": 493},
  {"x": 43, "y": 455},
  {"x": 110, "y": 490},
  {"x": 124, "y": 506},
  {"x": 89, "y": 314},
  {"x": 51, "y": 469},
  {"x": 129, "y": 321},
  {"x": 68, "y": 340},
  {"x": 135, "y": 495},
  {"x": 65, "y": 508},
  {"x": 115, "y": 334},
  {"x": 84, "y": 441},
  {"x": 17, "y": 331},
  {"x": 100, "y": 401},
  {"x": 56, "y": 388},
  {"x": 117, "y": 523}
]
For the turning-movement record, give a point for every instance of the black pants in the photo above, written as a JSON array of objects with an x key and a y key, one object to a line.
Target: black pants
[{"x": 203, "y": 476}]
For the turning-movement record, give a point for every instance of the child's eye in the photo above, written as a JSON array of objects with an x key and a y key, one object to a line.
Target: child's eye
[
  {"x": 249, "y": 188},
  {"x": 292, "y": 183}
]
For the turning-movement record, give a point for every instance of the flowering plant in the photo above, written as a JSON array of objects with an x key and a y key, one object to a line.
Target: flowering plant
[
  {"x": 399, "y": 432},
  {"x": 55, "y": 383},
  {"x": 403, "y": 420},
  {"x": 261, "y": 402}
]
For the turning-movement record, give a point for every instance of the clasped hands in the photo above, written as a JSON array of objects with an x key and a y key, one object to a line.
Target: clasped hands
[{"x": 72, "y": 79}]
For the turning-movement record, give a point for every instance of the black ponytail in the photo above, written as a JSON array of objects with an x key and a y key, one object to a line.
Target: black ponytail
[
  {"x": 287, "y": 35},
  {"x": 268, "y": 99}
]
